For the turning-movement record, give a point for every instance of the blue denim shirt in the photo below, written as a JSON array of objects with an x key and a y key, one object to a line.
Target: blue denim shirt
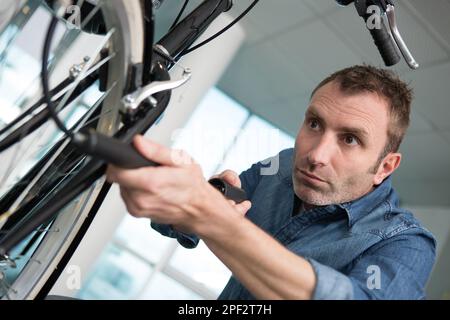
[{"x": 368, "y": 248}]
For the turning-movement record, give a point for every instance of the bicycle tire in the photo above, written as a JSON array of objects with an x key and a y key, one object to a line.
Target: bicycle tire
[{"x": 127, "y": 18}]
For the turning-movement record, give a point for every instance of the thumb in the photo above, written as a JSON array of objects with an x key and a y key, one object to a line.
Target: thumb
[
  {"x": 231, "y": 177},
  {"x": 161, "y": 154}
]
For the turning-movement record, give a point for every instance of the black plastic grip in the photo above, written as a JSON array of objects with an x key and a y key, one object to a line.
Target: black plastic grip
[
  {"x": 385, "y": 44},
  {"x": 231, "y": 192},
  {"x": 185, "y": 33},
  {"x": 111, "y": 150}
]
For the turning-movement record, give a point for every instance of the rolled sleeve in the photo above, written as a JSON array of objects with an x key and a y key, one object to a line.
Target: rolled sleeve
[
  {"x": 330, "y": 284},
  {"x": 189, "y": 241}
]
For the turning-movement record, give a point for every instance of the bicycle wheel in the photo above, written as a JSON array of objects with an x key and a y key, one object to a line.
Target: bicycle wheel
[{"x": 35, "y": 164}]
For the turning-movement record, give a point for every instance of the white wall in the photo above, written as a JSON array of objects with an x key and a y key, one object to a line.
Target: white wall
[
  {"x": 439, "y": 284},
  {"x": 437, "y": 220},
  {"x": 207, "y": 64}
]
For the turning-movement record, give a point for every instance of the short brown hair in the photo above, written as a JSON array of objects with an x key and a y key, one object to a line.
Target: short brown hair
[{"x": 366, "y": 78}]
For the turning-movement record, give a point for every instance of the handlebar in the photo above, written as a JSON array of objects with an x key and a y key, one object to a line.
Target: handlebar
[
  {"x": 385, "y": 45},
  {"x": 388, "y": 40},
  {"x": 126, "y": 156},
  {"x": 380, "y": 34}
]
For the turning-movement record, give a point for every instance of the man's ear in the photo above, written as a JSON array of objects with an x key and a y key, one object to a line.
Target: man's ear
[{"x": 389, "y": 164}]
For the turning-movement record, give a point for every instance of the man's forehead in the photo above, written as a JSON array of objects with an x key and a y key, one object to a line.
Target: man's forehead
[
  {"x": 345, "y": 125},
  {"x": 365, "y": 107},
  {"x": 364, "y": 102}
]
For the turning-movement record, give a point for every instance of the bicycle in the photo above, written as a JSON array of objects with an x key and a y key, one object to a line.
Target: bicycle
[{"x": 46, "y": 211}]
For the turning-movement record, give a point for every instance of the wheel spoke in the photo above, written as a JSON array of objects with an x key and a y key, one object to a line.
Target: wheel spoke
[{"x": 80, "y": 126}]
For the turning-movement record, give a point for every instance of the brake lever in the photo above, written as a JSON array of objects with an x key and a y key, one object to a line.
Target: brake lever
[
  {"x": 117, "y": 152},
  {"x": 390, "y": 14},
  {"x": 387, "y": 40},
  {"x": 132, "y": 101}
]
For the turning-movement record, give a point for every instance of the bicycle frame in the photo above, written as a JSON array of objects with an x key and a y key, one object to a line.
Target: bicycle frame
[{"x": 156, "y": 68}]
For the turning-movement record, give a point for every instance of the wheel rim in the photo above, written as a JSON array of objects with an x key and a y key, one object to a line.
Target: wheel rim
[{"x": 125, "y": 17}]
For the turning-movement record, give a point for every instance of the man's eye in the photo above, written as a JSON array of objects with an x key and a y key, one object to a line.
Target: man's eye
[
  {"x": 314, "y": 124},
  {"x": 351, "y": 140}
]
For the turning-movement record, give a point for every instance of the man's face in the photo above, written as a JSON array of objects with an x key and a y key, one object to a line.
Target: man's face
[{"x": 339, "y": 143}]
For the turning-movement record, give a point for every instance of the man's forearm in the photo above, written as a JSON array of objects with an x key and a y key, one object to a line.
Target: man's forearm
[{"x": 266, "y": 268}]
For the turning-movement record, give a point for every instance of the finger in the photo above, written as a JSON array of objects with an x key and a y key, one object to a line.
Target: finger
[
  {"x": 139, "y": 203},
  {"x": 110, "y": 174},
  {"x": 231, "y": 177},
  {"x": 114, "y": 173},
  {"x": 132, "y": 209},
  {"x": 132, "y": 179},
  {"x": 161, "y": 154},
  {"x": 243, "y": 207},
  {"x": 152, "y": 180}
]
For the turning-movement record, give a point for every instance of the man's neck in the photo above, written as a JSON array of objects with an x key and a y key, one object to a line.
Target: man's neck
[{"x": 308, "y": 206}]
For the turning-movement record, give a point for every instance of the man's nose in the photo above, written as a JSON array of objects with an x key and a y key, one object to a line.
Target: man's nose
[{"x": 321, "y": 153}]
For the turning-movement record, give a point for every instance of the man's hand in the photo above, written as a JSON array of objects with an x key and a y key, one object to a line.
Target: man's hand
[
  {"x": 174, "y": 193},
  {"x": 233, "y": 178}
]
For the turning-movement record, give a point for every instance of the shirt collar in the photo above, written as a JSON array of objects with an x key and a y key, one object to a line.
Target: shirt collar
[{"x": 358, "y": 208}]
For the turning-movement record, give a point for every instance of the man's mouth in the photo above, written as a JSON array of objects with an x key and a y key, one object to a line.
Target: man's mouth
[{"x": 310, "y": 176}]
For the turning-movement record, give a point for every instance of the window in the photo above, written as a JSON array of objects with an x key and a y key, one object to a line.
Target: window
[
  {"x": 258, "y": 140},
  {"x": 117, "y": 276},
  {"x": 211, "y": 130},
  {"x": 20, "y": 88},
  {"x": 220, "y": 134}
]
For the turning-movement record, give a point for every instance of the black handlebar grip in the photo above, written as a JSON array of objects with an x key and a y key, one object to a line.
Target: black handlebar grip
[
  {"x": 111, "y": 150},
  {"x": 231, "y": 192},
  {"x": 126, "y": 156},
  {"x": 386, "y": 46}
]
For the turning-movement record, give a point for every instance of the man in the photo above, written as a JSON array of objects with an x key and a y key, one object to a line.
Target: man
[{"x": 326, "y": 225}]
